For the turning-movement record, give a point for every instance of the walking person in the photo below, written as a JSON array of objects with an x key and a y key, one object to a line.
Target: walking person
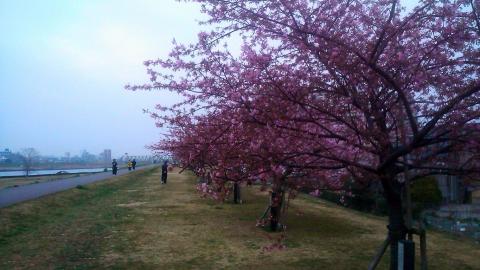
[
  {"x": 164, "y": 172},
  {"x": 129, "y": 165},
  {"x": 134, "y": 163},
  {"x": 114, "y": 167}
]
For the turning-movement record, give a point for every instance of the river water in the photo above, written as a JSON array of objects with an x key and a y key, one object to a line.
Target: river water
[{"x": 44, "y": 172}]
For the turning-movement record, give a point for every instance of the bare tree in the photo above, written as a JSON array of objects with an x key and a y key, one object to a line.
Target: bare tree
[{"x": 29, "y": 155}]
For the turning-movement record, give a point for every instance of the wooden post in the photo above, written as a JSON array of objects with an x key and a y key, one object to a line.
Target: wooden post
[
  {"x": 423, "y": 248},
  {"x": 378, "y": 256}
]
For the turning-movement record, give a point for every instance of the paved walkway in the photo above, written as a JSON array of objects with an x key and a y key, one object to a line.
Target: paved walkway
[{"x": 9, "y": 196}]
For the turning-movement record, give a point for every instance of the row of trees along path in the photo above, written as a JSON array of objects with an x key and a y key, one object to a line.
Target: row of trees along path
[{"x": 324, "y": 91}]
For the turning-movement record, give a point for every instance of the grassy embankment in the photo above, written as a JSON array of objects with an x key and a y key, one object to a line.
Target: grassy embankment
[
  {"x": 6, "y": 182},
  {"x": 133, "y": 222}
]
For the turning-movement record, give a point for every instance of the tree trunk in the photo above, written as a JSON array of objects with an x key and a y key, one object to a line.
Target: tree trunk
[
  {"x": 236, "y": 192},
  {"x": 275, "y": 208},
  {"x": 396, "y": 224}
]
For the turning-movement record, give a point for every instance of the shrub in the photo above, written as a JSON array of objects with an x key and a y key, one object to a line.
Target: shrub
[{"x": 425, "y": 194}]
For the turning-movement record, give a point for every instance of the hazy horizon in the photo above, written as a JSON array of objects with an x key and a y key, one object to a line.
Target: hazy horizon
[{"x": 63, "y": 66}]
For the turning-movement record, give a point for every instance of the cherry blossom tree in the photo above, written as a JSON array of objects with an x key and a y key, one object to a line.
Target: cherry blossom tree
[
  {"x": 324, "y": 89},
  {"x": 236, "y": 147}
]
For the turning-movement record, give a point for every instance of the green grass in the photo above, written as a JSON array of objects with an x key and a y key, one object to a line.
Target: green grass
[
  {"x": 68, "y": 230},
  {"x": 134, "y": 222}
]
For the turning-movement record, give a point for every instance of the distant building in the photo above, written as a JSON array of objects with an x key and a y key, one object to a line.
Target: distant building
[
  {"x": 6, "y": 156},
  {"x": 452, "y": 187},
  {"x": 458, "y": 189},
  {"x": 476, "y": 196},
  {"x": 86, "y": 157},
  {"x": 66, "y": 158},
  {"x": 107, "y": 156}
]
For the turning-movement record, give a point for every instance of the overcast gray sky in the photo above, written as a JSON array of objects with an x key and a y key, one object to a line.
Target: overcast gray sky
[{"x": 63, "y": 65}]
